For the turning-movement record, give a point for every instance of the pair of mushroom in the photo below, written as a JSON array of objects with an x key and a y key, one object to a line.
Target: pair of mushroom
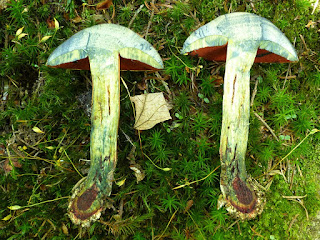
[{"x": 237, "y": 38}]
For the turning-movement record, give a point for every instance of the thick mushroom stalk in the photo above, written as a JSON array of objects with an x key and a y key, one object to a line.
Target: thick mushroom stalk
[
  {"x": 87, "y": 200},
  {"x": 105, "y": 49},
  {"x": 240, "y": 39}
]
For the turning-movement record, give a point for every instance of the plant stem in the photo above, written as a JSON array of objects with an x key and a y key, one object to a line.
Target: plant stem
[
  {"x": 87, "y": 201},
  {"x": 235, "y": 126}
]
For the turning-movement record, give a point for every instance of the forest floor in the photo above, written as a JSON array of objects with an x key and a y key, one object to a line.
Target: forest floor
[{"x": 167, "y": 178}]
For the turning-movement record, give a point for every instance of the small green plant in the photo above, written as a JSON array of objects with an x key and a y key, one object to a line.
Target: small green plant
[
  {"x": 170, "y": 203},
  {"x": 201, "y": 96},
  {"x": 176, "y": 70}
]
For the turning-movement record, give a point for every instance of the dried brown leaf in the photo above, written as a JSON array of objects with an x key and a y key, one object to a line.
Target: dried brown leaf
[
  {"x": 3, "y": 4},
  {"x": 151, "y": 109},
  {"x": 104, "y": 5},
  {"x": 8, "y": 165},
  {"x": 138, "y": 172}
]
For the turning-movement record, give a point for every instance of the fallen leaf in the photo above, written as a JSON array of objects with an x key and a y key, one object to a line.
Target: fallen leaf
[
  {"x": 76, "y": 19},
  {"x": 3, "y": 4},
  {"x": 311, "y": 24},
  {"x": 56, "y": 24},
  {"x": 198, "y": 69},
  {"x": 104, "y": 4},
  {"x": 138, "y": 172},
  {"x": 151, "y": 109},
  {"x": 45, "y": 38},
  {"x": 37, "y": 130},
  {"x": 65, "y": 229},
  {"x": 2, "y": 149},
  {"x": 19, "y": 31},
  {"x": 8, "y": 165},
  {"x": 142, "y": 85},
  {"x": 166, "y": 169},
  {"x": 98, "y": 18},
  {"x": 14, "y": 207},
  {"x": 121, "y": 182},
  {"x": 6, "y": 218},
  {"x": 188, "y": 206},
  {"x": 50, "y": 23},
  {"x": 22, "y": 35},
  {"x": 217, "y": 80}
]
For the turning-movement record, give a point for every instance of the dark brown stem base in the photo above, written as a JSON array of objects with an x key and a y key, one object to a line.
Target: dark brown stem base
[
  {"x": 85, "y": 205},
  {"x": 244, "y": 200}
]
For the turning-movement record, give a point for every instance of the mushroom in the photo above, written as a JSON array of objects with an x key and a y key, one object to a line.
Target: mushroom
[
  {"x": 104, "y": 49},
  {"x": 240, "y": 39}
]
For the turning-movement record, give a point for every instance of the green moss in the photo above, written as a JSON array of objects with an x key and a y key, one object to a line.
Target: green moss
[{"x": 186, "y": 146}]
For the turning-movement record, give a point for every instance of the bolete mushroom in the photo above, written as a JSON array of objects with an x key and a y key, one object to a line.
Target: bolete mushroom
[
  {"x": 240, "y": 39},
  {"x": 104, "y": 49}
]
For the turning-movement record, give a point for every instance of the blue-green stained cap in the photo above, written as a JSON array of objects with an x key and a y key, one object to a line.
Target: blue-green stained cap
[
  {"x": 136, "y": 53},
  {"x": 210, "y": 41}
]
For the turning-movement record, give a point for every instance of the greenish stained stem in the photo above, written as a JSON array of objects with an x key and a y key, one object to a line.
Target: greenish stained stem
[
  {"x": 87, "y": 201},
  {"x": 235, "y": 126}
]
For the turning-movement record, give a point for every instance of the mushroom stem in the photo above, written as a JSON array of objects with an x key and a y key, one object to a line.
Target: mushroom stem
[
  {"x": 87, "y": 201},
  {"x": 235, "y": 126}
]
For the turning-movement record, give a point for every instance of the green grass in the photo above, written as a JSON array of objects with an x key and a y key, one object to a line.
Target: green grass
[{"x": 177, "y": 199}]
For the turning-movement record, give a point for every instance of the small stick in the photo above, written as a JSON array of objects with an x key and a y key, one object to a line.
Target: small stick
[
  {"x": 286, "y": 77},
  {"x": 254, "y": 92},
  {"x": 304, "y": 42},
  {"x": 135, "y": 15},
  {"x": 239, "y": 229},
  {"x": 267, "y": 126},
  {"x": 291, "y": 180},
  {"x": 150, "y": 21},
  {"x": 165, "y": 84},
  {"x": 315, "y": 5},
  {"x": 256, "y": 233},
  {"x": 292, "y": 221},
  {"x": 287, "y": 74},
  {"x": 294, "y": 197}
]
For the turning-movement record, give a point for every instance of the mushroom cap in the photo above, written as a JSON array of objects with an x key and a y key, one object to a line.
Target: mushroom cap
[
  {"x": 210, "y": 41},
  {"x": 135, "y": 52}
]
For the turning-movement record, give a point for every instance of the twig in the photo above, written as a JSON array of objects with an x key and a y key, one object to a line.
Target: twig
[
  {"x": 196, "y": 225},
  {"x": 189, "y": 183},
  {"x": 239, "y": 229},
  {"x": 292, "y": 221},
  {"x": 313, "y": 131},
  {"x": 135, "y": 15},
  {"x": 287, "y": 74},
  {"x": 167, "y": 224},
  {"x": 294, "y": 197},
  {"x": 73, "y": 164},
  {"x": 304, "y": 42},
  {"x": 305, "y": 209},
  {"x": 127, "y": 137},
  {"x": 291, "y": 179},
  {"x": 256, "y": 233},
  {"x": 232, "y": 224},
  {"x": 150, "y": 21},
  {"x": 267, "y": 126},
  {"x": 132, "y": 105},
  {"x": 165, "y": 84},
  {"x": 254, "y": 92},
  {"x": 315, "y": 6}
]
